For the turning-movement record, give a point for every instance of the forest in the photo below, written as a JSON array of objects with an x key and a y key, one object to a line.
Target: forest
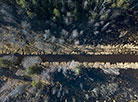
[{"x": 68, "y": 50}]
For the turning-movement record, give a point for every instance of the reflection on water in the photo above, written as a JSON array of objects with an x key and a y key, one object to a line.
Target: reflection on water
[
  {"x": 88, "y": 85},
  {"x": 92, "y": 84}
]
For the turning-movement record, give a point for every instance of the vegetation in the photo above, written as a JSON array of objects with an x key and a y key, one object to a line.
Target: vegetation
[
  {"x": 76, "y": 70},
  {"x": 68, "y": 82},
  {"x": 90, "y": 19},
  {"x": 33, "y": 70},
  {"x": 36, "y": 84},
  {"x": 73, "y": 21},
  {"x": 5, "y": 63},
  {"x": 82, "y": 9}
]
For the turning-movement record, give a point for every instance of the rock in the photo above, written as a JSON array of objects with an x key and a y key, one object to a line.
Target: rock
[
  {"x": 112, "y": 71},
  {"x": 32, "y": 90},
  {"x": 20, "y": 72},
  {"x": 11, "y": 58},
  {"x": 31, "y": 61}
]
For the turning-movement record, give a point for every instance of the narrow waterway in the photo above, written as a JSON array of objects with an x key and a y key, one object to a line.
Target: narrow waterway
[{"x": 84, "y": 58}]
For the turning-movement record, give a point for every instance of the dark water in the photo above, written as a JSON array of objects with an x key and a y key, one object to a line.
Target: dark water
[
  {"x": 83, "y": 58},
  {"x": 93, "y": 84},
  {"x": 90, "y": 85}
]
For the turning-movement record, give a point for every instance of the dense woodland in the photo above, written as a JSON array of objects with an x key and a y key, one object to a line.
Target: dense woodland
[
  {"x": 77, "y": 22},
  {"x": 83, "y": 21}
]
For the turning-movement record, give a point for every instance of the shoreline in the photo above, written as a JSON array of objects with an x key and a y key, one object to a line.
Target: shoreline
[{"x": 70, "y": 49}]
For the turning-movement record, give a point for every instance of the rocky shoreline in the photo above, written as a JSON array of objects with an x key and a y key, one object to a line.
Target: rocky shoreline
[{"x": 64, "y": 49}]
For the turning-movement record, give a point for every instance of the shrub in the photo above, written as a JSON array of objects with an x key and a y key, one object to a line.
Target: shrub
[
  {"x": 33, "y": 70},
  {"x": 5, "y": 63},
  {"x": 36, "y": 84}
]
